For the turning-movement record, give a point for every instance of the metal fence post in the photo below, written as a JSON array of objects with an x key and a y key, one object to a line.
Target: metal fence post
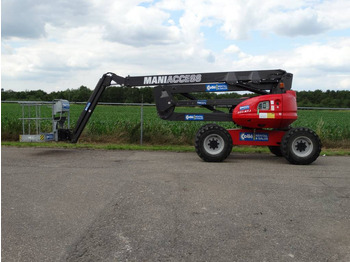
[{"x": 141, "y": 127}]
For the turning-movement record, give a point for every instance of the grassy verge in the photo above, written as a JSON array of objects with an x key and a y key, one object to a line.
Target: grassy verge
[
  {"x": 103, "y": 146},
  {"x": 173, "y": 148}
]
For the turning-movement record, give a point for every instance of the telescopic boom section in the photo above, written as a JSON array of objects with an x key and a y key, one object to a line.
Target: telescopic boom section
[
  {"x": 104, "y": 81},
  {"x": 261, "y": 82}
]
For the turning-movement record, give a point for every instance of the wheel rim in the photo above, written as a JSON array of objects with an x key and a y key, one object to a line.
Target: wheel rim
[
  {"x": 214, "y": 144},
  {"x": 302, "y": 146}
]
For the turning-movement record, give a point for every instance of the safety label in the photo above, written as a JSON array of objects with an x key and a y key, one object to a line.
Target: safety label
[{"x": 266, "y": 115}]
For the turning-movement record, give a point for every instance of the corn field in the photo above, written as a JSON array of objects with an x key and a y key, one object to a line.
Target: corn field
[{"x": 121, "y": 124}]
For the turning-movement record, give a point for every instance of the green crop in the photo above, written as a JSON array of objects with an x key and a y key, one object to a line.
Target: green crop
[{"x": 121, "y": 124}]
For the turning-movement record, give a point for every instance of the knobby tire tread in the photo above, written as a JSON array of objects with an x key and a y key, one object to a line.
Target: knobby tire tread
[
  {"x": 286, "y": 151},
  {"x": 200, "y": 136}
]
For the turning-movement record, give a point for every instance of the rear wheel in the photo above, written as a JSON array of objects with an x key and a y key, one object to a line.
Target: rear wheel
[
  {"x": 301, "y": 146},
  {"x": 213, "y": 143}
]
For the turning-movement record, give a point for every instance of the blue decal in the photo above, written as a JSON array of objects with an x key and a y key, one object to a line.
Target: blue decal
[
  {"x": 244, "y": 136},
  {"x": 201, "y": 102},
  {"x": 87, "y": 106},
  {"x": 216, "y": 87},
  {"x": 49, "y": 137},
  {"x": 65, "y": 105},
  {"x": 244, "y": 108},
  {"x": 194, "y": 117}
]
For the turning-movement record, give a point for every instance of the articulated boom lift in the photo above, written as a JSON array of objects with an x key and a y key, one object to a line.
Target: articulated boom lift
[{"x": 265, "y": 119}]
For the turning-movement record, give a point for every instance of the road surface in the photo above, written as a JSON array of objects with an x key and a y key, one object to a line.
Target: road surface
[{"x": 97, "y": 205}]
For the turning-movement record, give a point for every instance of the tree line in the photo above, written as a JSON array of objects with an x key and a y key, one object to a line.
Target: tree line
[{"x": 113, "y": 94}]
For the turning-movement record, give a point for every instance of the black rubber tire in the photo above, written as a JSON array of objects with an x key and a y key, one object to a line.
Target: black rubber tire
[
  {"x": 301, "y": 146},
  {"x": 213, "y": 143},
  {"x": 276, "y": 150}
]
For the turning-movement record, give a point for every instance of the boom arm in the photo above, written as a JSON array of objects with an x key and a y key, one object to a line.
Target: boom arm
[{"x": 259, "y": 82}]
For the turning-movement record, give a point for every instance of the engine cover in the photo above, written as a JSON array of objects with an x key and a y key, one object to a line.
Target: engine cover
[{"x": 267, "y": 111}]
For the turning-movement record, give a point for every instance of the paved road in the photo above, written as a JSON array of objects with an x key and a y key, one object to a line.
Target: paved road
[{"x": 96, "y": 205}]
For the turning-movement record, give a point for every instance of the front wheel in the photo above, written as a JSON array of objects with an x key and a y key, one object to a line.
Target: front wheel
[
  {"x": 301, "y": 146},
  {"x": 213, "y": 143}
]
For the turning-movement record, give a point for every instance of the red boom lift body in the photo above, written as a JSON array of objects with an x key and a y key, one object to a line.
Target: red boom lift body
[{"x": 265, "y": 115}]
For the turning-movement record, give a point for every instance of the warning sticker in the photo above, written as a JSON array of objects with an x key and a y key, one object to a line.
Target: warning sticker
[{"x": 266, "y": 115}]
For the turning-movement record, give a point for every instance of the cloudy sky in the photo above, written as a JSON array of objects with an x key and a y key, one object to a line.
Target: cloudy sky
[{"x": 60, "y": 44}]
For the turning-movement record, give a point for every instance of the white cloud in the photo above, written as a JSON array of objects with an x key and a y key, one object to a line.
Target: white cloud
[
  {"x": 300, "y": 22},
  {"x": 233, "y": 49},
  {"x": 330, "y": 57},
  {"x": 65, "y": 44},
  {"x": 141, "y": 26},
  {"x": 345, "y": 83},
  {"x": 315, "y": 66},
  {"x": 335, "y": 13},
  {"x": 25, "y": 19},
  {"x": 173, "y": 5}
]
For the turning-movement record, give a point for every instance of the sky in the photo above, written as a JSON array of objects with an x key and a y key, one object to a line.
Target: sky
[{"x": 63, "y": 44}]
